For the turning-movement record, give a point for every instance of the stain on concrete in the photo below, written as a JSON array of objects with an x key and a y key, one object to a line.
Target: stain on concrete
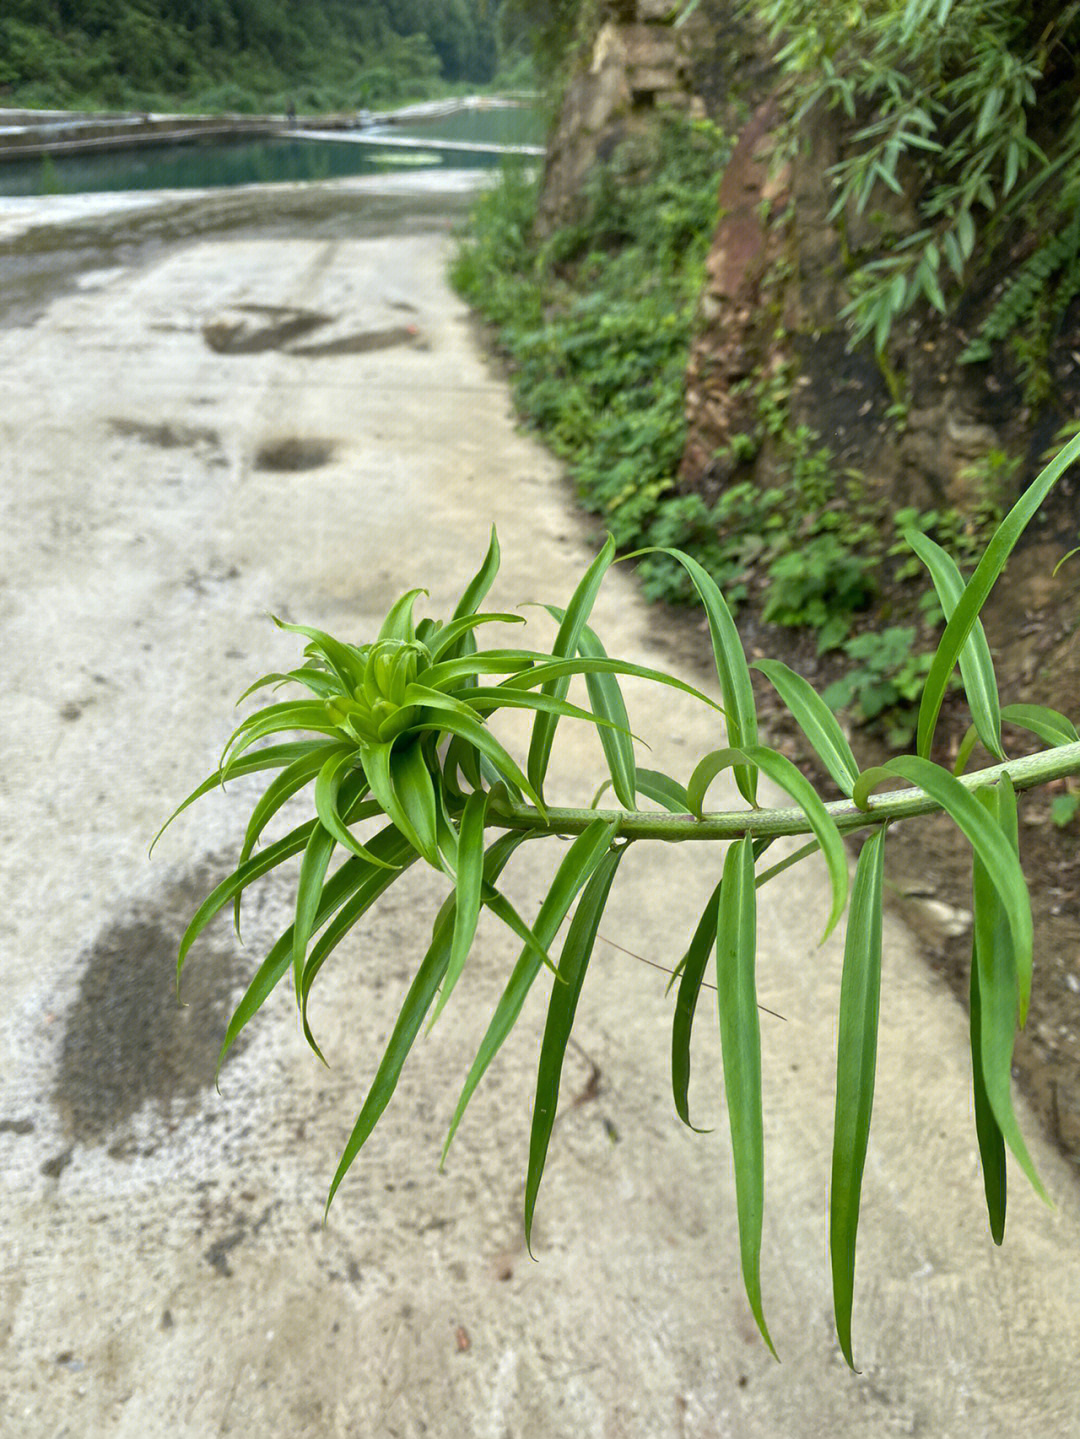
[
  {"x": 127, "y": 1040},
  {"x": 293, "y": 453},
  {"x": 166, "y": 436},
  {"x": 16, "y": 1126}
]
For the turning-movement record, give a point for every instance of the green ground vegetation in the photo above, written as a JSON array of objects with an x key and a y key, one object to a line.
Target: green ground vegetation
[
  {"x": 245, "y": 55},
  {"x": 596, "y": 323}
]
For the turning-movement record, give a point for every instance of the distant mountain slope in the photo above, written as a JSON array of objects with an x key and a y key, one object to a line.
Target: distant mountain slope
[{"x": 240, "y": 52}]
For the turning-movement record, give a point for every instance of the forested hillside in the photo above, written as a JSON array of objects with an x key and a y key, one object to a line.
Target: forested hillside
[{"x": 244, "y": 54}]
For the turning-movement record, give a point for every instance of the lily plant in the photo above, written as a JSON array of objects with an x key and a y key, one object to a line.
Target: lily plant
[{"x": 396, "y": 732}]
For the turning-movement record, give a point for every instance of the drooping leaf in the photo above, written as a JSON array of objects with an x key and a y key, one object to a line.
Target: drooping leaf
[
  {"x": 309, "y": 887},
  {"x": 736, "y": 689},
  {"x": 987, "y": 1130},
  {"x": 470, "y": 877},
  {"x": 705, "y": 771},
  {"x": 992, "y": 849},
  {"x": 663, "y": 790},
  {"x": 566, "y": 645},
  {"x": 342, "y": 658},
  {"x": 856, "y": 1062},
  {"x": 277, "y": 756},
  {"x": 328, "y": 806},
  {"x": 1000, "y": 982},
  {"x": 816, "y": 720},
  {"x": 562, "y": 1007},
  {"x": 740, "y": 1041},
  {"x": 978, "y": 588},
  {"x": 976, "y": 665},
  {"x": 411, "y": 1016},
  {"x": 691, "y": 970},
  {"x": 577, "y": 865},
  {"x": 390, "y": 848}
]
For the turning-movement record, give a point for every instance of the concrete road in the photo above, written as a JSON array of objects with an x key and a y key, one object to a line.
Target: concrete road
[{"x": 175, "y": 462}]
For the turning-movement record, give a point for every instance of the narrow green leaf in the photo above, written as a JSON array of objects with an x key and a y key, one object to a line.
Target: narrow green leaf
[
  {"x": 991, "y": 848},
  {"x": 987, "y": 1130},
  {"x": 446, "y": 640},
  {"x": 976, "y": 664},
  {"x": 342, "y": 658},
  {"x": 277, "y": 962},
  {"x": 328, "y": 785},
  {"x": 316, "y": 680},
  {"x": 705, "y": 771},
  {"x": 309, "y": 887},
  {"x": 606, "y": 698},
  {"x": 415, "y": 791},
  {"x": 411, "y": 1016},
  {"x": 470, "y": 876},
  {"x": 691, "y": 970},
  {"x": 783, "y": 773},
  {"x": 663, "y": 790},
  {"x": 374, "y": 882},
  {"x": 1000, "y": 987},
  {"x": 731, "y": 667},
  {"x": 467, "y": 727},
  {"x": 740, "y": 1040},
  {"x": 290, "y": 781},
  {"x": 979, "y": 587},
  {"x": 566, "y": 645},
  {"x": 574, "y": 961},
  {"x": 577, "y": 865},
  {"x": 555, "y": 669},
  {"x": 398, "y": 624},
  {"x": 273, "y": 757},
  {"x": 816, "y": 720},
  {"x": 302, "y": 715},
  {"x": 856, "y": 1062},
  {"x": 501, "y": 907},
  {"x": 274, "y": 854},
  {"x": 481, "y": 582},
  {"x": 482, "y": 700},
  {"x": 1048, "y": 725}
]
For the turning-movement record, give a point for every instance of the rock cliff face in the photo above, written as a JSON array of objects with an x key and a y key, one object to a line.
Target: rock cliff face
[{"x": 640, "y": 60}]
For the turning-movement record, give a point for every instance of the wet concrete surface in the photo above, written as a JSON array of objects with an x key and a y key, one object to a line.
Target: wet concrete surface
[{"x": 164, "y": 1267}]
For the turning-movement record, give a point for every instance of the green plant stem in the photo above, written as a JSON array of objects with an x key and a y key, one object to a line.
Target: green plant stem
[{"x": 1025, "y": 773}]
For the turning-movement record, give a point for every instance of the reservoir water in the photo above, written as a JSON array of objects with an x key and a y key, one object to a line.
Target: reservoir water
[{"x": 213, "y": 163}]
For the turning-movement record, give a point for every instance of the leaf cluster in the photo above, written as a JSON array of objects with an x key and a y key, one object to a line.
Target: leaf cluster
[
  {"x": 401, "y": 738},
  {"x": 944, "y": 99}
]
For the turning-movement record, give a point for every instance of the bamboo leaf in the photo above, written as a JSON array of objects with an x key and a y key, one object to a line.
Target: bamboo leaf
[
  {"x": 1000, "y": 980},
  {"x": 740, "y": 1039},
  {"x": 979, "y": 587},
  {"x": 566, "y": 644},
  {"x": 736, "y": 689},
  {"x": 411, "y": 1016},
  {"x": 856, "y": 1061},
  {"x": 976, "y": 665},
  {"x": 562, "y": 1008},
  {"x": 577, "y": 865},
  {"x": 691, "y": 970},
  {"x": 816, "y": 720}
]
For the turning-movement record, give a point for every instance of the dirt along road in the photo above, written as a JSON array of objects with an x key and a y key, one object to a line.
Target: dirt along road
[{"x": 212, "y": 422}]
